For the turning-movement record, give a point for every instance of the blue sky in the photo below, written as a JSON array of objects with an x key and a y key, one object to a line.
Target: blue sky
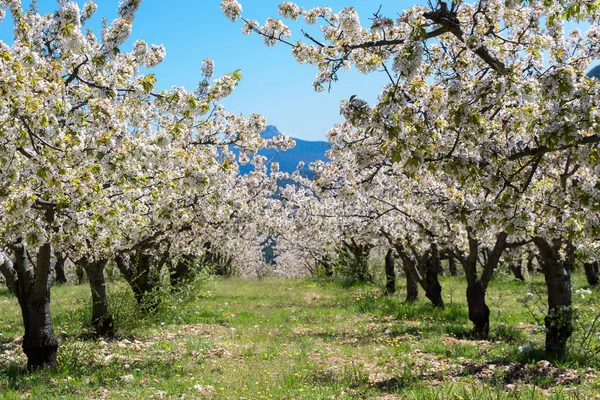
[{"x": 273, "y": 84}]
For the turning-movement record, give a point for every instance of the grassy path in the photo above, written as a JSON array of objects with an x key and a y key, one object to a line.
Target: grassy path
[{"x": 294, "y": 339}]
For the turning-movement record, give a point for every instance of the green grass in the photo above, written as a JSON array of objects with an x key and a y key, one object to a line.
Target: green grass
[{"x": 300, "y": 339}]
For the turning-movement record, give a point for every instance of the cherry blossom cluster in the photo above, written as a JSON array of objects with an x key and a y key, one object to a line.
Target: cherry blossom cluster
[
  {"x": 96, "y": 161},
  {"x": 488, "y": 108}
]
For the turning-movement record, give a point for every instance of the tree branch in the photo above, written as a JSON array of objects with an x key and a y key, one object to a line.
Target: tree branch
[
  {"x": 8, "y": 271},
  {"x": 448, "y": 20},
  {"x": 535, "y": 151}
]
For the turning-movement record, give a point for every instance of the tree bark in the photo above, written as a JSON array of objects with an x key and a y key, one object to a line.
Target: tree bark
[
  {"x": 142, "y": 279},
  {"x": 411, "y": 267},
  {"x": 39, "y": 342},
  {"x": 557, "y": 272},
  {"x": 219, "y": 264},
  {"x": 325, "y": 264},
  {"x": 517, "y": 271},
  {"x": 356, "y": 257},
  {"x": 59, "y": 267},
  {"x": 412, "y": 285},
  {"x": 452, "y": 265},
  {"x": 433, "y": 289},
  {"x": 80, "y": 274},
  {"x": 479, "y": 312},
  {"x": 591, "y": 272},
  {"x": 180, "y": 271},
  {"x": 530, "y": 268},
  {"x": 31, "y": 285},
  {"x": 102, "y": 320},
  {"x": 390, "y": 273}
]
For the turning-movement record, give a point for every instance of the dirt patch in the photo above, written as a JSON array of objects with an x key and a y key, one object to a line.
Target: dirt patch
[
  {"x": 303, "y": 331},
  {"x": 528, "y": 328},
  {"x": 11, "y": 351},
  {"x": 542, "y": 374},
  {"x": 451, "y": 340},
  {"x": 310, "y": 297},
  {"x": 203, "y": 330},
  {"x": 427, "y": 366}
]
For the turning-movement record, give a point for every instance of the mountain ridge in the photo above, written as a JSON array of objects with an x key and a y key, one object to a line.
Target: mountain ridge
[{"x": 305, "y": 150}]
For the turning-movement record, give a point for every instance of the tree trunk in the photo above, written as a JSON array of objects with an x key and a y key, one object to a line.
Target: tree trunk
[
  {"x": 517, "y": 271},
  {"x": 180, "y": 271},
  {"x": 530, "y": 268},
  {"x": 356, "y": 258},
  {"x": 326, "y": 265},
  {"x": 433, "y": 289},
  {"x": 39, "y": 342},
  {"x": 412, "y": 285},
  {"x": 142, "y": 279},
  {"x": 59, "y": 267},
  {"x": 80, "y": 274},
  {"x": 223, "y": 266},
  {"x": 479, "y": 313},
  {"x": 452, "y": 265},
  {"x": 31, "y": 285},
  {"x": 390, "y": 273},
  {"x": 144, "y": 284},
  {"x": 557, "y": 272},
  {"x": 429, "y": 263},
  {"x": 102, "y": 320},
  {"x": 591, "y": 273}
]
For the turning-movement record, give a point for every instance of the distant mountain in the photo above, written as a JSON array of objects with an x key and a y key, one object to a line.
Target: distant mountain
[
  {"x": 595, "y": 72},
  {"x": 270, "y": 132},
  {"x": 304, "y": 150}
]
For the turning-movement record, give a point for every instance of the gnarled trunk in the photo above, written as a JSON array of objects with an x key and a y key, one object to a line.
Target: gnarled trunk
[
  {"x": 102, "y": 320},
  {"x": 80, "y": 273},
  {"x": 31, "y": 285},
  {"x": 356, "y": 258},
  {"x": 433, "y": 289},
  {"x": 39, "y": 342},
  {"x": 591, "y": 272},
  {"x": 142, "y": 278},
  {"x": 412, "y": 285},
  {"x": 479, "y": 312},
  {"x": 517, "y": 271},
  {"x": 557, "y": 272},
  {"x": 59, "y": 267},
  {"x": 429, "y": 263},
  {"x": 530, "y": 267},
  {"x": 326, "y": 266},
  {"x": 390, "y": 273},
  {"x": 220, "y": 264},
  {"x": 180, "y": 271},
  {"x": 452, "y": 265}
]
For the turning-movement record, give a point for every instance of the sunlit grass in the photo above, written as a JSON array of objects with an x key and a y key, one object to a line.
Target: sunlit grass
[{"x": 303, "y": 339}]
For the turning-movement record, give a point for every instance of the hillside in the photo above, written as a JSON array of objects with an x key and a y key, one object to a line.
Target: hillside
[
  {"x": 595, "y": 72},
  {"x": 304, "y": 150}
]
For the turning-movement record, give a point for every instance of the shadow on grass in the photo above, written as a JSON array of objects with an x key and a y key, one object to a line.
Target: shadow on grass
[
  {"x": 78, "y": 364},
  {"x": 542, "y": 374},
  {"x": 347, "y": 337},
  {"x": 418, "y": 310}
]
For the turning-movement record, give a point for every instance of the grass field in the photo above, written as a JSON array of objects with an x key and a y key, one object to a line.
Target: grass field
[{"x": 303, "y": 339}]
